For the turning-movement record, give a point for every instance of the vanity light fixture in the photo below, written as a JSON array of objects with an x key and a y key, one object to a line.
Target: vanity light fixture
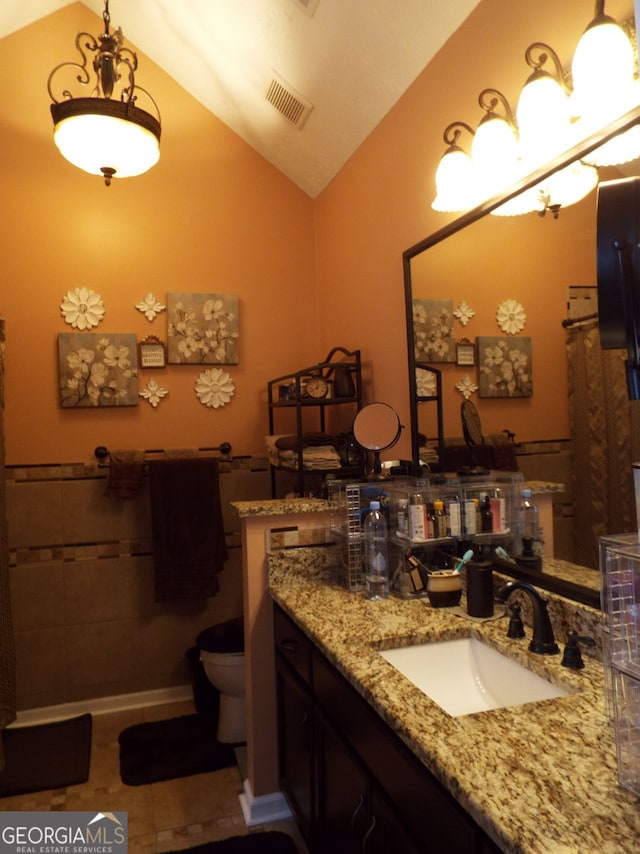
[
  {"x": 455, "y": 173},
  {"x": 550, "y": 118},
  {"x": 104, "y": 132}
]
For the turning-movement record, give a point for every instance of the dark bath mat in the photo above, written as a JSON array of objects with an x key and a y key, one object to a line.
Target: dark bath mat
[
  {"x": 266, "y": 842},
  {"x": 164, "y": 750},
  {"x": 46, "y": 756}
]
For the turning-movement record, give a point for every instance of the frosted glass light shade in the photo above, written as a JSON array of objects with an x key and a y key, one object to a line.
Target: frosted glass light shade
[
  {"x": 102, "y": 136},
  {"x": 455, "y": 182},
  {"x": 603, "y": 73},
  {"x": 523, "y": 203},
  {"x": 494, "y": 153},
  {"x": 544, "y": 120},
  {"x": 570, "y": 185}
]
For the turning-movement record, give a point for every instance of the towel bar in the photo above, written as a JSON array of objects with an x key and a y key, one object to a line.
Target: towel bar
[{"x": 101, "y": 452}]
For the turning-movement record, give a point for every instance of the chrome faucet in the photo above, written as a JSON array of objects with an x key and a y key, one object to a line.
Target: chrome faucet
[{"x": 543, "y": 641}]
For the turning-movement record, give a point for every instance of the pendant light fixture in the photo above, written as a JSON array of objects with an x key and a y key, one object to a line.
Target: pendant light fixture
[
  {"x": 103, "y": 131},
  {"x": 549, "y": 120}
]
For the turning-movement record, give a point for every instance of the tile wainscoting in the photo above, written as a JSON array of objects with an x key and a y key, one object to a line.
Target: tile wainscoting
[{"x": 85, "y": 619}]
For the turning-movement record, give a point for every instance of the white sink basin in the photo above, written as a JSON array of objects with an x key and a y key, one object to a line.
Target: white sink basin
[{"x": 465, "y": 676}]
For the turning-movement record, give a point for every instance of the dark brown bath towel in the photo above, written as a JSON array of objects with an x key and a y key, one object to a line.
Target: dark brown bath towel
[{"x": 189, "y": 547}]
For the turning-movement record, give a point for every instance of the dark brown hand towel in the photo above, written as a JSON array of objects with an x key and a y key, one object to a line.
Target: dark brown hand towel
[
  {"x": 189, "y": 547},
  {"x": 126, "y": 470}
]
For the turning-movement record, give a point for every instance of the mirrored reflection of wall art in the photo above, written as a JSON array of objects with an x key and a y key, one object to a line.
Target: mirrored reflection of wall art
[
  {"x": 97, "y": 370},
  {"x": 203, "y": 329},
  {"x": 504, "y": 367},
  {"x": 433, "y": 330},
  {"x": 426, "y": 383}
]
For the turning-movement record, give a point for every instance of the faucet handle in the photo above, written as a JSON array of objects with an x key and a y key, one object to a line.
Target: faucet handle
[
  {"x": 572, "y": 656},
  {"x": 516, "y": 626}
]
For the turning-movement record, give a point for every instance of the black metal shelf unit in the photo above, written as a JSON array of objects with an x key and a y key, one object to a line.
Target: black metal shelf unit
[{"x": 341, "y": 373}]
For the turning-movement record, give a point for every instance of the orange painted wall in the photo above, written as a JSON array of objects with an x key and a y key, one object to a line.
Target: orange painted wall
[
  {"x": 213, "y": 216},
  {"x": 379, "y": 205}
]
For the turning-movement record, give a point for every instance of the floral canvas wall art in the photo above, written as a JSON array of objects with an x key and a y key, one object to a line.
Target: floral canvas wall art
[
  {"x": 203, "y": 329},
  {"x": 504, "y": 367},
  {"x": 433, "y": 330},
  {"x": 97, "y": 370}
]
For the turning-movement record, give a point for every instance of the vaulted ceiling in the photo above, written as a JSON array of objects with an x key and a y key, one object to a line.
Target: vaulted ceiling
[{"x": 303, "y": 82}]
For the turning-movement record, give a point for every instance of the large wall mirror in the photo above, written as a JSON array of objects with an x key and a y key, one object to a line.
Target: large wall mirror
[{"x": 482, "y": 254}]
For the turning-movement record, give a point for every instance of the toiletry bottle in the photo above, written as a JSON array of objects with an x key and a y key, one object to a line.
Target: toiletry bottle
[
  {"x": 499, "y": 510},
  {"x": 417, "y": 518},
  {"x": 376, "y": 558},
  {"x": 486, "y": 515},
  {"x": 440, "y": 526},
  {"x": 431, "y": 521},
  {"x": 454, "y": 518},
  {"x": 470, "y": 525},
  {"x": 528, "y": 525},
  {"x": 402, "y": 526}
]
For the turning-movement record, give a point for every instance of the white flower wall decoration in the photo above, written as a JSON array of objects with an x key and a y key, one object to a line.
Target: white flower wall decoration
[
  {"x": 214, "y": 388},
  {"x": 150, "y": 306},
  {"x": 425, "y": 383},
  {"x": 511, "y": 316},
  {"x": 466, "y": 386},
  {"x": 82, "y": 308},
  {"x": 464, "y": 312},
  {"x": 153, "y": 393}
]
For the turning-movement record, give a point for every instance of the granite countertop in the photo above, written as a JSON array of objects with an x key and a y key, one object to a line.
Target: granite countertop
[
  {"x": 280, "y": 506},
  {"x": 540, "y": 487},
  {"x": 539, "y": 778}
]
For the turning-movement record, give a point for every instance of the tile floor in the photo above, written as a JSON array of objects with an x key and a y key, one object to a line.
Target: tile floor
[{"x": 165, "y": 816}]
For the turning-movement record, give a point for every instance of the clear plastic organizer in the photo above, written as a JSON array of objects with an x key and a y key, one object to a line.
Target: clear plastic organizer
[
  {"x": 350, "y": 502},
  {"x": 626, "y": 710},
  {"x": 620, "y": 589},
  {"x": 620, "y": 592}
]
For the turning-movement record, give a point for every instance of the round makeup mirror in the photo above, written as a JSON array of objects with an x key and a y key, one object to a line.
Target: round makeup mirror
[{"x": 375, "y": 428}]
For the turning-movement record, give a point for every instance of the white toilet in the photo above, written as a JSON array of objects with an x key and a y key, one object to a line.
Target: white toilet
[{"x": 222, "y": 656}]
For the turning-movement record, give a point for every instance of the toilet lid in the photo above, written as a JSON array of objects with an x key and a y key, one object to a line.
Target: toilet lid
[{"x": 225, "y": 637}]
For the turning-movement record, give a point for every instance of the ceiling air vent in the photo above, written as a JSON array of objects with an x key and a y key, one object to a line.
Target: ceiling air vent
[
  {"x": 288, "y": 102},
  {"x": 309, "y": 6}
]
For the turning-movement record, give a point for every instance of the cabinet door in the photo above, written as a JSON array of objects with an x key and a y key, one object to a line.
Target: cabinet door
[
  {"x": 389, "y": 835},
  {"x": 295, "y": 746},
  {"x": 343, "y": 795}
]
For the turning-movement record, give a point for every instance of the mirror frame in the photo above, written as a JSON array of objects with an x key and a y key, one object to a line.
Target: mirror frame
[{"x": 579, "y": 151}]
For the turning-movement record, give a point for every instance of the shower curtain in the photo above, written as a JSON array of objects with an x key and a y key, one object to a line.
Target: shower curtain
[
  {"x": 605, "y": 441},
  {"x": 7, "y": 645}
]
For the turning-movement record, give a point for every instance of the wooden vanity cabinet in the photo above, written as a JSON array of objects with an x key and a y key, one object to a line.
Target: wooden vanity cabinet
[
  {"x": 350, "y": 781},
  {"x": 295, "y": 720}
]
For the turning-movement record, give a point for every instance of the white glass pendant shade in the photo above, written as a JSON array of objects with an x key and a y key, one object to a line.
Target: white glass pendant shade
[
  {"x": 455, "y": 183},
  {"x": 544, "y": 120},
  {"x": 623, "y": 148},
  {"x": 569, "y": 185},
  {"x": 101, "y": 142},
  {"x": 494, "y": 153},
  {"x": 603, "y": 74},
  {"x": 521, "y": 204}
]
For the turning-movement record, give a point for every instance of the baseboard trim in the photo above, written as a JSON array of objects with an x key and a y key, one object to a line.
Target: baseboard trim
[
  {"x": 264, "y": 808},
  {"x": 104, "y": 705}
]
